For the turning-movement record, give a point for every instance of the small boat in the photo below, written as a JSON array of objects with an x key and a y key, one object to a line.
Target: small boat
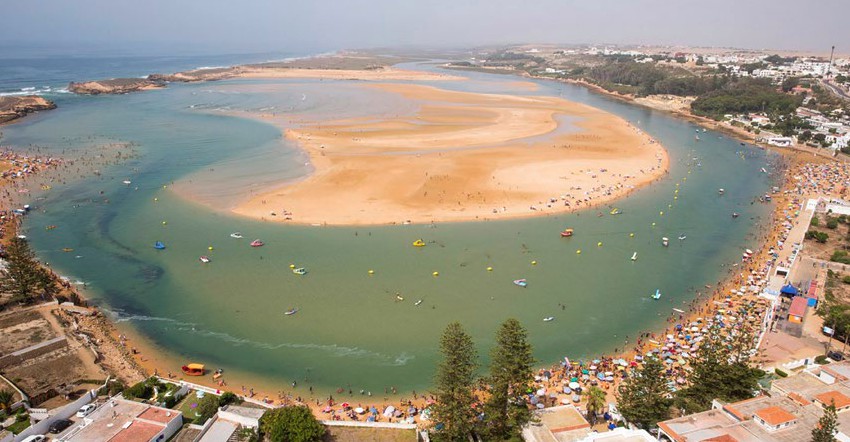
[
  {"x": 127, "y": 182},
  {"x": 665, "y": 241},
  {"x": 682, "y": 237},
  {"x": 419, "y": 243},
  {"x": 521, "y": 282},
  {"x": 763, "y": 170},
  {"x": 67, "y": 249},
  {"x": 291, "y": 311},
  {"x": 615, "y": 211},
  {"x": 735, "y": 214},
  {"x": 721, "y": 191},
  {"x": 159, "y": 245},
  {"x": 634, "y": 256},
  {"x": 398, "y": 297},
  {"x": 696, "y": 137},
  {"x": 300, "y": 271},
  {"x": 567, "y": 233},
  {"x": 678, "y": 310},
  {"x": 257, "y": 243},
  {"x": 50, "y": 227},
  {"x": 204, "y": 259},
  {"x": 657, "y": 294},
  {"x": 193, "y": 369},
  {"x": 548, "y": 319},
  {"x": 417, "y": 302},
  {"x": 236, "y": 235}
]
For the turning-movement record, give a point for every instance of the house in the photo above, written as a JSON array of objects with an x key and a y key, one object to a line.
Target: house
[
  {"x": 122, "y": 420},
  {"x": 780, "y": 141},
  {"x": 228, "y": 420},
  {"x": 797, "y": 310}
]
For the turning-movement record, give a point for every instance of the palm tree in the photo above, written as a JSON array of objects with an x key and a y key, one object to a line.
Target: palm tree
[
  {"x": 6, "y": 400},
  {"x": 596, "y": 400}
]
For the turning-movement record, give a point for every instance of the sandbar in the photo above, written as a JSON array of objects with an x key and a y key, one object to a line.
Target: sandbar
[{"x": 460, "y": 157}]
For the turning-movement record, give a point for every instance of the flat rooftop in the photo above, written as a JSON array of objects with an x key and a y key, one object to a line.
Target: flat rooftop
[{"x": 121, "y": 420}]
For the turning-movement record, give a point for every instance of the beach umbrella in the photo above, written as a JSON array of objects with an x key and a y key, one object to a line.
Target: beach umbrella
[
  {"x": 565, "y": 401},
  {"x": 411, "y": 420},
  {"x": 609, "y": 378},
  {"x": 388, "y": 412},
  {"x": 345, "y": 405},
  {"x": 541, "y": 392},
  {"x": 567, "y": 390},
  {"x": 359, "y": 410},
  {"x": 326, "y": 409},
  {"x": 540, "y": 406},
  {"x": 574, "y": 385},
  {"x": 372, "y": 409},
  {"x": 370, "y": 419}
]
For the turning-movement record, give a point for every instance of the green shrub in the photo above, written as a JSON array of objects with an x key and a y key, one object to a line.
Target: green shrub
[
  {"x": 840, "y": 256},
  {"x": 780, "y": 373},
  {"x": 815, "y": 221},
  {"x": 820, "y": 359},
  {"x": 831, "y": 223},
  {"x": 228, "y": 398},
  {"x": 142, "y": 390},
  {"x": 846, "y": 279},
  {"x": 820, "y": 237}
]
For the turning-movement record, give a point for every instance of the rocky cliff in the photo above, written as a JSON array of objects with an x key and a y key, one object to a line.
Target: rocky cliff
[
  {"x": 114, "y": 86},
  {"x": 14, "y": 107}
]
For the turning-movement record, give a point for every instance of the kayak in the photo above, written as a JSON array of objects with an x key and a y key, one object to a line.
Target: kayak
[{"x": 521, "y": 282}]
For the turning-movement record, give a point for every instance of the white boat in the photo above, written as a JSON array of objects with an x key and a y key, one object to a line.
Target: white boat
[
  {"x": 417, "y": 302},
  {"x": 678, "y": 310},
  {"x": 763, "y": 170},
  {"x": 236, "y": 235},
  {"x": 300, "y": 271},
  {"x": 657, "y": 294},
  {"x": 291, "y": 311},
  {"x": 127, "y": 182},
  {"x": 548, "y": 319},
  {"x": 721, "y": 191},
  {"x": 682, "y": 237},
  {"x": 665, "y": 241},
  {"x": 634, "y": 256},
  {"x": 204, "y": 259}
]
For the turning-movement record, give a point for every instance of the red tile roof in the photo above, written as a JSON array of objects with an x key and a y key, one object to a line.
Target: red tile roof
[
  {"x": 835, "y": 397},
  {"x": 721, "y": 438},
  {"x": 774, "y": 416},
  {"x": 798, "y": 399},
  {"x": 158, "y": 415},
  {"x": 798, "y": 306},
  {"x": 137, "y": 431}
]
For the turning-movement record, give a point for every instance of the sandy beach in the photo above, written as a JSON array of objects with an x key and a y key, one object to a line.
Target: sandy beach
[
  {"x": 381, "y": 74},
  {"x": 461, "y": 157}
]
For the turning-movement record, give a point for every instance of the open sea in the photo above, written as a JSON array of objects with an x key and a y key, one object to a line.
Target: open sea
[{"x": 351, "y": 331}]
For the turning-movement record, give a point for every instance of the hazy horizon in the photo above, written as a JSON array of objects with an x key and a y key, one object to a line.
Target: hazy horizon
[{"x": 258, "y": 26}]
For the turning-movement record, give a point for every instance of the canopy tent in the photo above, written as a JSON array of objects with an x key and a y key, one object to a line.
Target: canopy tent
[{"x": 790, "y": 290}]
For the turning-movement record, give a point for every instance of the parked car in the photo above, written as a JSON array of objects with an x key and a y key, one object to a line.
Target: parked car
[
  {"x": 835, "y": 356},
  {"x": 59, "y": 426},
  {"x": 35, "y": 438},
  {"x": 86, "y": 410}
]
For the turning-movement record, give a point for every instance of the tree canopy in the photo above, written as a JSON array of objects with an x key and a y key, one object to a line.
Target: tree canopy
[
  {"x": 644, "y": 399},
  {"x": 291, "y": 424},
  {"x": 511, "y": 373},
  {"x": 454, "y": 383}
]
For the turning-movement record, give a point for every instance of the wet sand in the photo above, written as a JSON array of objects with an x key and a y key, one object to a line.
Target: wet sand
[{"x": 460, "y": 157}]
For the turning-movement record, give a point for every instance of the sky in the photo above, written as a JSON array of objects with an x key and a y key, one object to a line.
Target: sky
[{"x": 228, "y": 26}]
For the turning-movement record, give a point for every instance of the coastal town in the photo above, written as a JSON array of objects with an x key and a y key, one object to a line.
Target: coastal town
[{"x": 758, "y": 353}]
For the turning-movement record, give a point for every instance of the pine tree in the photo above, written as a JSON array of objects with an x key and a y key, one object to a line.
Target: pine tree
[
  {"x": 644, "y": 399},
  {"x": 511, "y": 373},
  {"x": 23, "y": 275},
  {"x": 827, "y": 426},
  {"x": 454, "y": 384},
  {"x": 720, "y": 370}
]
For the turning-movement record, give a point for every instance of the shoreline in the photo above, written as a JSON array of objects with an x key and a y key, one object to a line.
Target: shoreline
[
  {"x": 464, "y": 158},
  {"x": 771, "y": 225}
]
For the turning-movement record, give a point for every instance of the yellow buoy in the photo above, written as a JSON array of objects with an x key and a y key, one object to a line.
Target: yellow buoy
[
  {"x": 675, "y": 197},
  {"x": 677, "y": 184},
  {"x": 685, "y": 179},
  {"x": 631, "y": 235},
  {"x": 599, "y": 244},
  {"x": 292, "y": 266},
  {"x": 653, "y": 224},
  {"x": 164, "y": 223},
  {"x": 669, "y": 206},
  {"x": 661, "y": 213},
  {"x": 677, "y": 191},
  {"x": 210, "y": 248},
  {"x": 578, "y": 252},
  {"x": 436, "y": 274},
  {"x": 534, "y": 263},
  {"x": 156, "y": 199},
  {"x": 371, "y": 272},
  {"x": 489, "y": 269}
]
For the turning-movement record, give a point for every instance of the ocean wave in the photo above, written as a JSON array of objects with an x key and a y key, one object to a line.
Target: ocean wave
[
  {"x": 32, "y": 90},
  {"x": 210, "y": 67}
]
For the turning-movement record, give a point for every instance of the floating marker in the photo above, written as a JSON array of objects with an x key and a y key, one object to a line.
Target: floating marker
[
  {"x": 156, "y": 199},
  {"x": 435, "y": 274},
  {"x": 631, "y": 235},
  {"x": 489, "y": 269},
  {"x": 578, "y": 252},
  {"x": 210, "y": 248},
  {"x": 599, "y": 244},
  {"x": 661, "y": 213},
  {"x": 675, "y": 197},
  {"x": 653, "y": 224},
  {"x": 292, "y": 266},
  {"x": 669, "y": 206},
  {"x": 164, "y": 223},
  {"x": 534, "y": 263},
  {"x": 371, "y": 272}
]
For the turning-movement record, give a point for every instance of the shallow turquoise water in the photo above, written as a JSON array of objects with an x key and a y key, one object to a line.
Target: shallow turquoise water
[{"x": 350, "y": 329}]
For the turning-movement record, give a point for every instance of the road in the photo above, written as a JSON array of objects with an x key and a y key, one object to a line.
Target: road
[{"x": 836, "y": 90}]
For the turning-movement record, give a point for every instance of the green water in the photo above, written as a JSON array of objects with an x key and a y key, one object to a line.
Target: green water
[{"x": 350, "y": 329}]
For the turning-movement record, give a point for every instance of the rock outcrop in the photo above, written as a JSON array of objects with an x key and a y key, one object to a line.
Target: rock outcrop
[
  {"x": 211, "y": 74},
  {"x": 14, "y": 107},
  {"x": 114, "y": 86}
]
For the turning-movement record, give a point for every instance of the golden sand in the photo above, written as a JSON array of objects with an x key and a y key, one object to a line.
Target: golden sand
[{"x": 461, "y": 156}]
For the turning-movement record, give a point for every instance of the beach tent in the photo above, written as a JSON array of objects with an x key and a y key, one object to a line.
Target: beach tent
[{"x": 789, "y": 290}]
